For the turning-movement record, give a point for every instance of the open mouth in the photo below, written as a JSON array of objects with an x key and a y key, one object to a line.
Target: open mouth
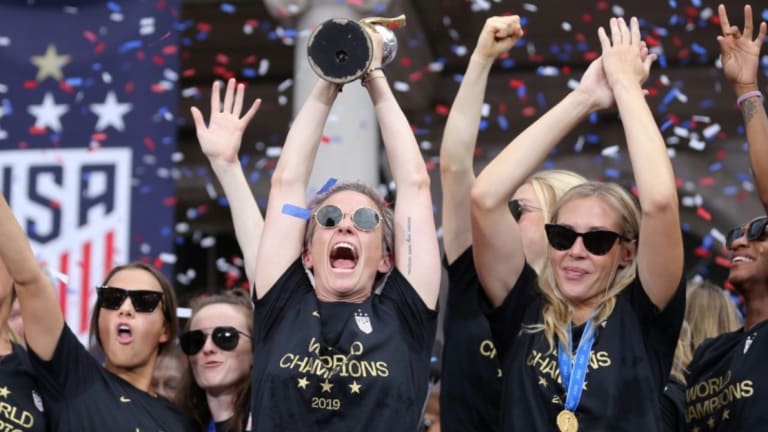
[
  {"x": 343, "y": 256},
  {"x": 124, "y": 333},
  {"x": 741, "y": 259}
]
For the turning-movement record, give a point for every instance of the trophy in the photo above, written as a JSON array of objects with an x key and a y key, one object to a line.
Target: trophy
[{"x": 341, "y": 50}]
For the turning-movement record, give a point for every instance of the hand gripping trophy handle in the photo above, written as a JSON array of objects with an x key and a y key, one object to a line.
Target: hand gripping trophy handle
[{"x": 341, "y": 50}]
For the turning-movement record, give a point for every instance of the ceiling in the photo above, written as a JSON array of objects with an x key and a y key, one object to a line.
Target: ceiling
[{"x": 687, "y": 94}]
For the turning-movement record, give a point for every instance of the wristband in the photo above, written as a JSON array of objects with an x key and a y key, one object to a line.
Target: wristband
[
  {"x": 367, "y": 76},
  {"x": 748, "y": 95}
]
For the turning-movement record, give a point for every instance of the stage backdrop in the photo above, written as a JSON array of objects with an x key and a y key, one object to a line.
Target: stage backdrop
[{"x": 87, "y": 137}]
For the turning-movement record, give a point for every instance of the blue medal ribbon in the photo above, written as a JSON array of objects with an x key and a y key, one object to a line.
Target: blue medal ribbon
[{"x": 573, "y": 371}]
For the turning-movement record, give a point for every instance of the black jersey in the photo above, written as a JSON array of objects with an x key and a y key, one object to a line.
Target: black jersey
[
  {"x": 629, "y": 363},
  {"x": 82, "y": 396},
  {"x": 21, "y": 406},
  {"x": 340, "y": 366},
  {"x": 470, "y": 379},
  {"x": 728, "y": 383},
  {"x": 673, "y": 406}
]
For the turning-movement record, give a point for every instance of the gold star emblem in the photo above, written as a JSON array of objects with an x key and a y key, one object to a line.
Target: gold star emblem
[
  {"x": 303, "y": 381},
  {"x": 726, "y": 414},
  {"x": 711, "y": 422},
  {"x": 354, "y": 387},
  {"x": 542, "y": 382},
  {"x": 4, "y": 392},
  {"x": 50, "y": 64},
  {"x": 326, "y": 386}
]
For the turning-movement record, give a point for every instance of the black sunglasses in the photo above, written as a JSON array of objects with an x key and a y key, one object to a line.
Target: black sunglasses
[
  {"x": 224, "y": 337},
  {"x": 518, "y": 207},
  {"x": 755, "y": 230},
  {"x": 364, "y": 218},
  {"x": 144, "y": 301},
  {"x": 596, "y": 242}
]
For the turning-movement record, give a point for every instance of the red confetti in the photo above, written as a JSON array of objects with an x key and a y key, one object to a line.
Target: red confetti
[
  {"x": 587, "y": 18},
  {"x": 129, "y": 86},
  {"x": 98, "y": 136},
  {"x": 187, "y": 73},
  {"x": 30, "y": 84},
  {"x": 704, "y": 214},
  {"x": 720, "y": 154},
  {"x": 54, "y": 204},
  {"x": 170, "y": 50},
  {"x": 34, "y": 130},
  {"x": 529, "y": 111},
  {"x": 66, "y": 87},
  {"x": 405, "y": 62},
  {"x": 149, "y": 143},
  {"x": 158, "y": 60},
  {"x": 170, "y": 201},
  {"x": 100, "y": 48},
  {"x": 701, "y": 252},
  {"x": 723, "y": 262},
  {"x": 415, "y": 76},
  {"x": 90, "y": 36},
  {"x": 222, "y": 58},
  {"x": 203, "y": 27},
  {"x": 325, "y": 139},
  {"x": 442, "y": 109}
]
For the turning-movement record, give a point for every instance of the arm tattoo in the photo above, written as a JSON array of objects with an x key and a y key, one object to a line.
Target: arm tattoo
[
  {"x": 409, "y": 240},
  {"x": 749, "y": 108}
]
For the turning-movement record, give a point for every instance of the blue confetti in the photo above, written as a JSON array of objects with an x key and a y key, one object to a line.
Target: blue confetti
[
  {"x": 249, "y": 72},
  {"x": 297, "y": 212},
  {"x": 730, "y": 190},
  {"x": 228, "y": 8},
  {"x": 114, "y": 7},
  {"x": 327, "y": 186},
  {"x": 129, "y": 46},
  {"x": 707, "y": 241},
  {"x": 503, "y": 122},
  {"x": 483, "y": 124},
  {"x": 612, "y": 173},
  {"x": 715, "y": 166}
]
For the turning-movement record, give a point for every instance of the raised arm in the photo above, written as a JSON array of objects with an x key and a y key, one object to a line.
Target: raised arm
[
  {"x": 497, "y": 247},
  {"x": 283, "y": 235},
  {"x": 741, "y": 59},
  {"x": 43, "y": 320},
  {"x": 499, "y": 35},
  {"x": 660, "y": 245},
  {"x": 220, "y": 141},
  {"x": 417, "y": 254}
]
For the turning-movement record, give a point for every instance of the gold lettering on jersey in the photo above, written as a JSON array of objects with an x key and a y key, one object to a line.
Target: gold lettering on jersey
[
  {"x": 14, "y": 418},
  {"x": 326, "y": 366},
  {"x": 487, "y": 349},
  {"x": 708, "y": 396},
  {"x": 546, "y": 364}
]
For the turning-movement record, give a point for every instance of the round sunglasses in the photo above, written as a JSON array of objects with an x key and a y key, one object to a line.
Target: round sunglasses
[
  {"x": 755, "y": 230},
  {"x": 597, "y": 242},
  {"x": 144, "y": 301},
  {"x": 225, "y": 337},
  {"x": 364, "y": 218}
]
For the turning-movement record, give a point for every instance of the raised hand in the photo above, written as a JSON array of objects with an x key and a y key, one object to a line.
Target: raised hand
[
  {"x": 740, "y": 53},
  {"x": 626, "y": 60},
  {"x": 499, "y": 35},
  {"x": 220, "y": 139}
]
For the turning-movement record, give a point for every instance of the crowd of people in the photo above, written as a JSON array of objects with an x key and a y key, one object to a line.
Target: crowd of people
[{"x": 568, "y": 308}]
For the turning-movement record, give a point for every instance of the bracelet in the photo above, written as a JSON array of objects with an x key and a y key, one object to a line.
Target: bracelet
[
  {"x": 367, "y": 76},
  {"x": 748, "y": 95}
]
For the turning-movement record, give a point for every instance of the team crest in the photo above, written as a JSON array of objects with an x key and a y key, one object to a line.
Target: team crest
[
  {"x": 363, "y": 322},
  {"x": 38, "y": 401}
]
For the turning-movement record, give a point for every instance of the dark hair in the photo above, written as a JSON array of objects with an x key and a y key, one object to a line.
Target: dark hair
[
  {"x": 191, "y": 398},
  {"x": 168, "y": 303}
]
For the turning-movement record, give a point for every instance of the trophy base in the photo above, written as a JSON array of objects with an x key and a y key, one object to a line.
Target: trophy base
[{"x": 340, "y": 50}]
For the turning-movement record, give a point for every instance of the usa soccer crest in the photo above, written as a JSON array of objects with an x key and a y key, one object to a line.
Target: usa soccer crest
[{"x": 363, "y": 322}]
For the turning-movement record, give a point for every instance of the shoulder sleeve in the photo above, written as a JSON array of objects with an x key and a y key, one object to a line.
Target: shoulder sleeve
[
  {"x": 419, "y": 320},
  {"x": 660, "y": 328},
  {"x": 267, "y": 310},
  {"x": 70, "y": 371},
  {"x": 465, "y": 295},
  {"x": 506, "y": 320}
]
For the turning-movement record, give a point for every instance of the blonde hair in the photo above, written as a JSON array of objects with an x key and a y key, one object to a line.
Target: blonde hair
[
  {"x": 549, "y": 186},
  {"x": 709, "y": 312},
  {"x": 557, "y": 312}
]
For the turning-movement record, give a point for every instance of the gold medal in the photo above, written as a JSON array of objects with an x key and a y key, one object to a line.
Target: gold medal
[{"x": 567, "y": 421}]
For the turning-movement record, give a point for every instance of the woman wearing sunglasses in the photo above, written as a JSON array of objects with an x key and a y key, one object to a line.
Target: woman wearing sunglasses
[
  {"x": 589, "y": 344},
  {"x": 216, "y": 388},
  {"x": 345, "y": 289},
  {"x": 727, "y": 387},
  {"x": 134, "y": 318},
  {"x": 470, "y": 386}
]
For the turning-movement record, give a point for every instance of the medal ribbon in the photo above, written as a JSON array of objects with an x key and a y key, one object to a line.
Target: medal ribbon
[{"x": 573, "y": 371}]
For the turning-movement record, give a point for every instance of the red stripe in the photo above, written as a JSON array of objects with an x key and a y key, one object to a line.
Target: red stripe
[
  {"x": 63, "y": 269},
  {"x": 85, "y": 287},
  {"x": 109, "y": 260}
]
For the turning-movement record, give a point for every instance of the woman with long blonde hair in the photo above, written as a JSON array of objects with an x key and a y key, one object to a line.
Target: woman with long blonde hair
[{"x": 589, "y": 344}]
